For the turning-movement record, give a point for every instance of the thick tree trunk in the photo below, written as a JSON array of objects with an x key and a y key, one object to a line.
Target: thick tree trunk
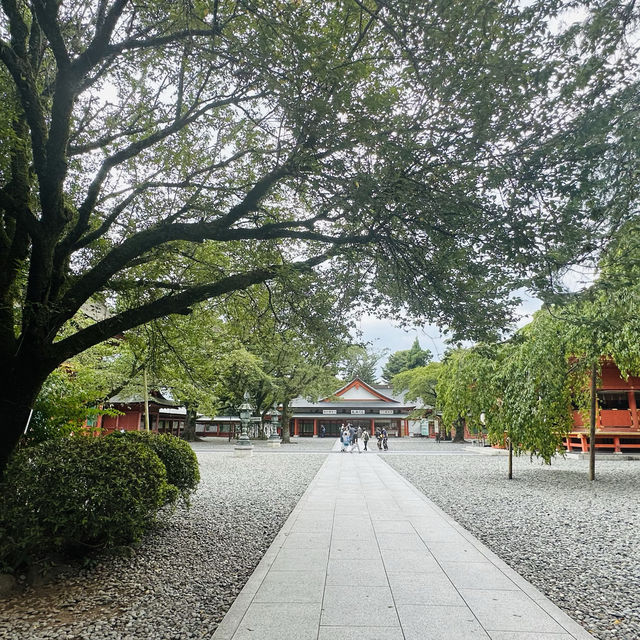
[
  {"x": 286, "y": 438},
  {"x": 459, "y": 437},
  {"x": 18, "y": 391},
  {"x": 189, "y": 431}
]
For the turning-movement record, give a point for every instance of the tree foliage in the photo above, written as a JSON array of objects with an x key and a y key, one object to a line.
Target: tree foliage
[
  {"x": 275, "y": 342},
  {"x": 419, "y": 383},
  {"x": 527, "y": 387},
  {"x": 359, "y": 361},
  {"x": 405, "y": 360},
  {"x": 464, "y": 388},
  {"x": 295, "y": 332},
  {"x": 535, "y": 409}
]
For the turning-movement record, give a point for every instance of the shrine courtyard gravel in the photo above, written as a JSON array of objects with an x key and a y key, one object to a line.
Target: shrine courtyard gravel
[{"x": 576, "y": 541}]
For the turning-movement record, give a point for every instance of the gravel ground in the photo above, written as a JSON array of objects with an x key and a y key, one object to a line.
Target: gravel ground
[
  {"x": 297, "y": 445},
  {"x": 574, "y": 540},
  {"x": 180, "y": 582}
]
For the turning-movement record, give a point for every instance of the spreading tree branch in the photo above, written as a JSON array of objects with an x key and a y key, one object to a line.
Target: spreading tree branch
[{"x": 170, "y": 304}]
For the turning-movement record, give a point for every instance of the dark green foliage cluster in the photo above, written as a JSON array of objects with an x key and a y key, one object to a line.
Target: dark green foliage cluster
[
  {"x": 406, "y": 360},
  {"x": 79, "y": 494},
  {"x": 177, "y": 456}
]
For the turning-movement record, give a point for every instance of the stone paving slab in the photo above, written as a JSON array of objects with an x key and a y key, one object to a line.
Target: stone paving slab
[{"x": 365, "y": 556}]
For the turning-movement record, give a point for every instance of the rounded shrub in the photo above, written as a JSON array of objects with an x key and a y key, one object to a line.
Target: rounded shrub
[
  {"x": 177, "y": 456},
  {"x": 78, "y": 494}
]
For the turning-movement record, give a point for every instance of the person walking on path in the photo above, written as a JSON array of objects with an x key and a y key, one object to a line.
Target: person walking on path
[
  {"x": 365, "y": 439},
  {"x": 344, "y": 440},
  {"x": 385, "y": 443},
  {"x": 379, "y": 439},
  {"x": 355, "y": 440}
]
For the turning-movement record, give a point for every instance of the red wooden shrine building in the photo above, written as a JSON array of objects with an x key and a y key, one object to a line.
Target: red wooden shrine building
[
  {"x": 165, "y": 416},
  {"x": 617, "y": 417}
]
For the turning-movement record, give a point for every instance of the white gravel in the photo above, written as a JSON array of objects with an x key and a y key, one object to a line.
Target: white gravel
[
  {"x": 180, "y": 582},
  {"x": 575, "y": 540}
]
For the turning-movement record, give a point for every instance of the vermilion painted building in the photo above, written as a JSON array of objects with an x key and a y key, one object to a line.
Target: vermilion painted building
[
  {"x": 617, "y": 419},
  {"x": 371, "y": 407},
  {"x": 164, "y": 416}
]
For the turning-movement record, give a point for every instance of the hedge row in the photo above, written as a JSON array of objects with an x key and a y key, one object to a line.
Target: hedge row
[{"x": 79, "y": 494}]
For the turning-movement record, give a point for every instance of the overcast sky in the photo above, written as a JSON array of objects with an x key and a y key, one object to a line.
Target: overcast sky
[{"x": 383, "y": 334}]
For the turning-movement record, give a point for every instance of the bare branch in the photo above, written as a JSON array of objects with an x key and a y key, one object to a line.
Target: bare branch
[
  {"x": 96, "y": 333},
  {"x": 99, "y": 49},
  {"x": 46, "y": 13},
  {"x": 125, "y": 154},
  {"x": 159, "y": 41}
]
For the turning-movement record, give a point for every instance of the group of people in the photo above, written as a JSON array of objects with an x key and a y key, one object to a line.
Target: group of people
[{"x": 350, "y": 437}]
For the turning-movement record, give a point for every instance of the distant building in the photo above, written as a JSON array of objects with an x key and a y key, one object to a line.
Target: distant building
[
  {"x": 165, "y": 416},
  {"x": 617, "y": 418},
  {"x": 217, "y": 426},
  {"x": 371, "y": 407}
]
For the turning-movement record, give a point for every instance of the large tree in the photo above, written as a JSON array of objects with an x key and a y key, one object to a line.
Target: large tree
[
  {"x": 405, "y": 360},
  {"x": 170, "y": 152},
  {"x": 465, "y": 390},
  {"x": 420, "y": 383},
  {"x": 296, "y": 331},
  {"x": 359, "y": 361}
]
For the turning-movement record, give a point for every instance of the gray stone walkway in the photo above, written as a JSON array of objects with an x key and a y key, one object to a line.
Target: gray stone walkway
[{"x": 365, "y": 556}]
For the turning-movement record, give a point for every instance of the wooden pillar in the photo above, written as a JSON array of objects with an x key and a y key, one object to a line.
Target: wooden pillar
[
  {"x": 373, "y": 427},
  {"x": 315, "y": 427},
  {"x": 295, "y": 427},
  {"x": 592, "y": 423},
  {"x": 633, "y": 407},
  {"x": 616, "y": 444},
  {"x": 583, "y": 440}
]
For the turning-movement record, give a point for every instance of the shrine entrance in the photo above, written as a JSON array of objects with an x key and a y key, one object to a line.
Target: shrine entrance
[{"x": 332, "y": 428}]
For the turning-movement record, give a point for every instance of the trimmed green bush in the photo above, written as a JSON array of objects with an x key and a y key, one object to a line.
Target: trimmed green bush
[
  {"x": 176, "y": 455},
  {"x": 78, "y": 494}
]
